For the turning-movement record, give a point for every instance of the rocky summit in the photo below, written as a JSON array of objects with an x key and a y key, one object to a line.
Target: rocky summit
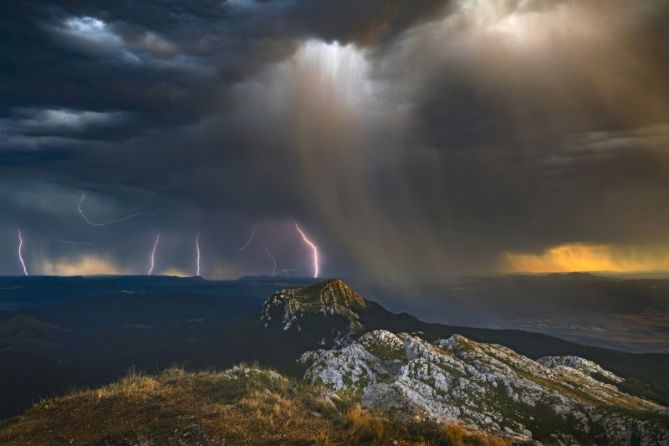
[
  {"x": 330, "y": 308},
  {"x": 555, "y": 400}
]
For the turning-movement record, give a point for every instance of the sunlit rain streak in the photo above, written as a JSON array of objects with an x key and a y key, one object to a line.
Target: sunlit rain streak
[
  {"x": 23, "y": 263},
  {"x": 197, "y": 254},
  {"x": 152, "y": 259},
  {"x": 248, "y": 242},
  {"x": 269, "y": 254},
  {"x": 313, "y": 247},
  {"x": 80, "y": 209}
]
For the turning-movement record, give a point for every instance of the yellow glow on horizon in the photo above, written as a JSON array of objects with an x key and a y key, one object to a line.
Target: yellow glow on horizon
[
  {"x": 175, "y": 272},
  {"x": 84, "y": 266},
  {"x": 583, "y": 257}
]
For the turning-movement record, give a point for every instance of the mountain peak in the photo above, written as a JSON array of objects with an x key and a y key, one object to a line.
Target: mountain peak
[
  {"x": 331, "y": 291},
  {"x": 331, "y": 299}
]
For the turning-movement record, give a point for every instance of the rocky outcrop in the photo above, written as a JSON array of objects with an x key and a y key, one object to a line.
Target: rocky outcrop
[
  {"x": 582, "y": 365},
  {"x": 566, "y": 400},
  {"x": 332, "y": 305}
]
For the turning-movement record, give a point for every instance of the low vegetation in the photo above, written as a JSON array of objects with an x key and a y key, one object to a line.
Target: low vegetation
[{"x": 242, "y": 406}]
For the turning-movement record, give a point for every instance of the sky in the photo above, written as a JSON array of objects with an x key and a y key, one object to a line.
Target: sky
[{"x": 406, "y": 139}]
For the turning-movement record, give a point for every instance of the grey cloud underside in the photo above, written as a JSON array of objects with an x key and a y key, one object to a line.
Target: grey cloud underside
[{"x": 463, "y": 152}]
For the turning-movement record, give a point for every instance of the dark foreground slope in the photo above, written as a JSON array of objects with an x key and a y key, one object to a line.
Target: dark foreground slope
[{"x": 57, "y": 333}]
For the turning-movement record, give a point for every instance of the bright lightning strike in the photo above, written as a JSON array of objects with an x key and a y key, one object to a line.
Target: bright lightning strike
[
  {"x": 197, "y": 254},
  {"x": 313, "y": 247},
  {"x": 23, "y": 263},
  {"x": 248, "y": 242},
  {"x": 80, "y": 209},
  {"x": 152, "y": 259},
  {"x": 269, "y": 254}
]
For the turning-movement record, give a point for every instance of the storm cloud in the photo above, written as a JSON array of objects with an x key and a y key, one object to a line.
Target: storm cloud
[{"x": 409, "y": 139}]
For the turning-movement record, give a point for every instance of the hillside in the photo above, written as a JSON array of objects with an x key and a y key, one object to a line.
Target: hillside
[
  {"x": 354, "y": 373},
  {"x": 241, "y": 406},
  {"x": 110, "y": 325},
  {"x": 290, "y": 327},
  {"x": 567, "y": 400},
  {"x": 295, "y": 327}
]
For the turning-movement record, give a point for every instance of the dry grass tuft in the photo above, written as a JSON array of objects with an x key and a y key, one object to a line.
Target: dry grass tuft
[
  {"x": 457, "y": 435},
  {"x": 365, "y": 427},
  {"x": 242, "y": 406}
]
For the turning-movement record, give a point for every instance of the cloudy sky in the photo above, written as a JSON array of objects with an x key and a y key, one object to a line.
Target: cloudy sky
[{"x": 407, "y": 138}]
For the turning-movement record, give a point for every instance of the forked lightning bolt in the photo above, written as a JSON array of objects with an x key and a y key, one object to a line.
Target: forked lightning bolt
[
  {"x": 92, "y": 242},
  {"x": 248, "y": 242},
  {"x": 314, "y": 250},
  {"x": 21, "y": 261},
  {"x": 152, "y": 259},
  {"x": 70, "y": 242},
  {"x": 197, "y": 254},
  {"x": 285, "y": 271},
  {"x": 80, "y": 209},
  {"x": 269, "y": 254}
]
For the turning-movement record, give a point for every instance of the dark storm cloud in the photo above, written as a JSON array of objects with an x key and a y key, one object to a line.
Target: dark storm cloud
[
  {"x": 169, "y": 61},
  {"x": 410, "y": 137},
  {"x": 129, "y": 101}
]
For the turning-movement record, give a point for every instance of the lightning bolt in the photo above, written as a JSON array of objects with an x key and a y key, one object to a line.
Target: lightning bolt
[
  {"x": 248, "y": 242},
  {"x": 92, "y": 242},
  {"x": 314, "y": 249},
  {"x": 269, "y": 254},
  {"x": 23, "y": 263},
  {"x": 152, "y": 259},
  {"x": 197, "y": 254},
  {"x": 70, "y": 242},
  {"x": 80, "y": 209},
  {"x": 292, "y": 270}
]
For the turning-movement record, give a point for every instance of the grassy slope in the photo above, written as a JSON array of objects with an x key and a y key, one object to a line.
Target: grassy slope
[{"x": 243, "y": 406}]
